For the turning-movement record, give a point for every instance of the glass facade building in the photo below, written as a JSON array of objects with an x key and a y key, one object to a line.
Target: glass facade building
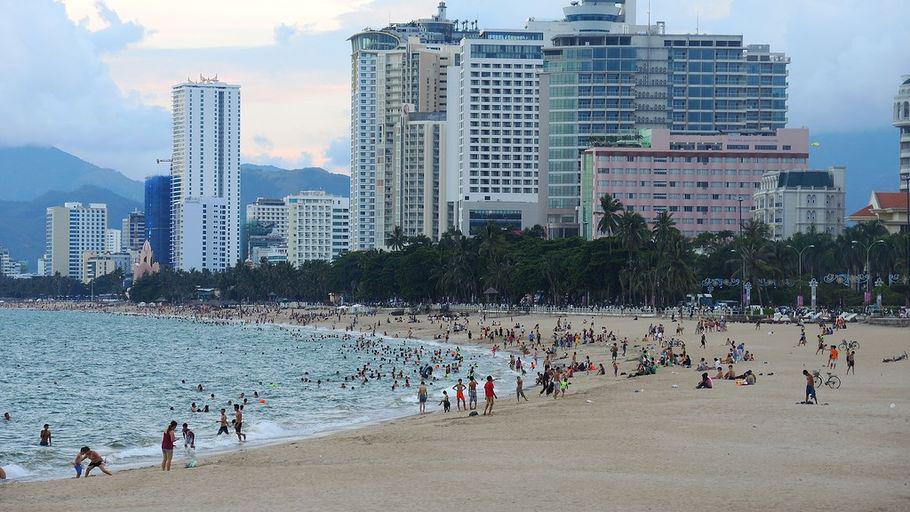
[
  {"x": 158, "y": 217},
  {"x": 605, "y": 80}
]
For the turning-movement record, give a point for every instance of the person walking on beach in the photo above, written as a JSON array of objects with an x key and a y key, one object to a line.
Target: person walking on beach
[
  {"x": 189, "y": 445},
  {"x": 810, "y": 387},
  {"x": 167, "y": 446},
  {"x": 45, "y": 436},
  {"x": 223, "y": 422},
  {"x": 472, "y": 393},
  {"x": 422, "y": 397},
  {"x": 851, "y": 361},
  {"x": 95, "y": 461},
  {"x": 832, "y": 357},
  {"x": 446, "y": 405},
  {"x": 238, "y": 423},
  {"x": 459, "y": 395},
  {"x": 490, "y": 396},
  {"x": 519, "y": 389}
]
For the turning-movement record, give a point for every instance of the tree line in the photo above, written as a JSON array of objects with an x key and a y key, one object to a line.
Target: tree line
[{"x": 632, "y": 262}]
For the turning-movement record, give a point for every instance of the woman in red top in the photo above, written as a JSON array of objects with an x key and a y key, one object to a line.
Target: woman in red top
[{"x": 167, "y": 446}]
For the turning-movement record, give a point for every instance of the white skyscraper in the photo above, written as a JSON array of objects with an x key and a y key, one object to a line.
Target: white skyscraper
[
  {"x": 269, "y": 212},
  {"x": 113, "y": 241},
  {"x": 73, "y": 229},
  {"x": 206, "y": 175},
  {"x": 494, "y": 130},
  {"x": 318, "y": 226}
]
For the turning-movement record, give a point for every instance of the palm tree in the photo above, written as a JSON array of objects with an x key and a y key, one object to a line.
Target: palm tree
[
  {"x": 632, "y": 230},
  {"x": 609, "y": 212},
  {"x": 664, "y": 229},
  {"x": 396, "y": 239}
]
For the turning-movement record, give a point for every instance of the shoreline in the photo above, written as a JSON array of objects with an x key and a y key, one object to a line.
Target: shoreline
[
  {"x": 266, "y": 443},
  {"x": 637, "y": 444}
]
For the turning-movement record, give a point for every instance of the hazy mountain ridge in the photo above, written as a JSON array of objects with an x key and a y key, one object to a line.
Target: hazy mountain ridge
[{"x": 38, "y": 177}]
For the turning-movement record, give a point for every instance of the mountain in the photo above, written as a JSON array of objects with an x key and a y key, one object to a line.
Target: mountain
[
  {"x": 27, "y": 172},
  {"x": 23, "y": 228},
  {"x": 270, "y": 181},
  {"x": 35, "y": 178}
]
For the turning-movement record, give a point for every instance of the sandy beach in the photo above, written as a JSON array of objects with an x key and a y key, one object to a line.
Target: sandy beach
[{"x": 611, "y": 443}]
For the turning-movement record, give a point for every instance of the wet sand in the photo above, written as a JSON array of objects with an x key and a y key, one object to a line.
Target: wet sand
[{"x": 605, "y": 446}]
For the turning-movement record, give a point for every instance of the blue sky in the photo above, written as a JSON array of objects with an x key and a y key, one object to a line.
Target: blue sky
[{"x": 94, "y": 78}]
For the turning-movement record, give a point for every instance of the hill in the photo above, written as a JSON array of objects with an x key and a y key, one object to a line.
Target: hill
[{"x": 27, "y": 172}]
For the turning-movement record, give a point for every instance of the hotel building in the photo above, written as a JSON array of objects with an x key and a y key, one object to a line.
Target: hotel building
[
  {"x": 706, "y": 181},
  {"x": 318, "y": 226},
  {"x": 71, "y": 230}
]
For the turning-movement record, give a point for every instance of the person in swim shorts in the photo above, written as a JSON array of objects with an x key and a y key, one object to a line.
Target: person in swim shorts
[
  {"x": 422, "y": 397},
  {"x": 490, "y": 396},
  {"x": 95, "y": 461},
  {"x": 472, "y": 393},
  {"x": 459, "y": 395},
  {"x": 223, "y": 422},
  {"x": 810, "y": 387},
  {"x": 238, "y": 423},
  {"x": 45, "y": 436}
]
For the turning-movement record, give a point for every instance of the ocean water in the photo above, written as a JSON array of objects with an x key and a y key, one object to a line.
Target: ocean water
[{"x": 110, "y": 381}]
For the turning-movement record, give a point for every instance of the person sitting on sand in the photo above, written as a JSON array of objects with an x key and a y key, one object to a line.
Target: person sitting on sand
[
  {"x": 730, "y": 375},
  {"x": 705, "y": 382},
  {"x": 720, "y": 374},
  {"x": 702, "y": 365}
]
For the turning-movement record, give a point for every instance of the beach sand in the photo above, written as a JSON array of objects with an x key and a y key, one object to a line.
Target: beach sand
[{"x": 602, "y": 447}]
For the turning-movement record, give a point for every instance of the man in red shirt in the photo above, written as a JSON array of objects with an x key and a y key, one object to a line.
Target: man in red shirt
[{"x": 490, "y": 396}]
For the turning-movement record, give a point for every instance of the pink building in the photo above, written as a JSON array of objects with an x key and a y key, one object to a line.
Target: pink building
[{"x": 705, "y": 181}]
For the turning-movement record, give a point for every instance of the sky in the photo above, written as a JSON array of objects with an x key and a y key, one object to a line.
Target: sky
[{"x": 93, "y": 77}]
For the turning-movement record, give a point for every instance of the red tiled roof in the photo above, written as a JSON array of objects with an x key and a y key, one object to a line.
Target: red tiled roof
[
  {"x": 891, "y": 200},
  {"x": 864, "y": 213}
]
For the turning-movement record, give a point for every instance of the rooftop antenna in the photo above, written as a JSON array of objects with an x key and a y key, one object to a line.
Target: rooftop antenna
[
  {"x": 697, "y": 21},
  {"x": 649, "y": 15}
]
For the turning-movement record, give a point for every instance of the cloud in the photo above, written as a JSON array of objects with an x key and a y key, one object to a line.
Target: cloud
[
  {"x": 284, "y": 33},
  {"x": 57, "y": 90},
  {"x": 117, "y": 34},
  {"x": 338, "y": 155},
  {"x": 263, "y": 142}
]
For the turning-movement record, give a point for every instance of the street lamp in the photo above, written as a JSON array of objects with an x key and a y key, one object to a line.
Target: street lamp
[
  {"x": 799, "y": 257},
  {"x": 868, "y": 248},
  {"x": 740, "y": 199}
]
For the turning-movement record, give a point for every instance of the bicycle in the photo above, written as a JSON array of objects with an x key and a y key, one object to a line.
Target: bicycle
[
  {"x": 832, "y": 382},
  {"x": 849, "y": 345}
]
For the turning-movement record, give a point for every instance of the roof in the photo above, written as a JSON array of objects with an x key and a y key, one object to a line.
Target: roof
[
  {"x": 864, "y": 213},
  {"x": 806, "y": 179},
  {"x": 891, "y": 200}
]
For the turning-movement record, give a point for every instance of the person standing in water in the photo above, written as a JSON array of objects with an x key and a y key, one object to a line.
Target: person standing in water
[
  {"x": 223, "y": 424},
  {"x": 45, "y": 436},
  {"x": 238, "y": 423},
  {"x": 422, "y": 397},
  {"x": 167, "y": 446}
]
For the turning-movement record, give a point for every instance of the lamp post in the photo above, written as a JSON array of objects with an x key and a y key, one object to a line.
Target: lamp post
[
  {"x": 868, "y": 269},
  {"x": 799, "y": 257},
  {"x": 740, "y": 199}
]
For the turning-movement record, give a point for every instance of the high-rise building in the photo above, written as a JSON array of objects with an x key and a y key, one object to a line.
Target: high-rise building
[
  {"x": 791, "y": 202},
  {"x": 419, "y": 203},
  {"x": 271, "y": 213},
  {"x": 494, "y": 125},
  {"x": 113, "y": 241},
  {"x": 902, "y": 123},
  {"x": 706, "y": 181},
  {"x": 402, "y": 64},
  {"x": 133, "y": 231},
  {"x": 8, "y": 266},
  {"x": 318, "y": 226},
  {"x": 604, "y": 77},
  {"x": 158, "y": 217},
  {"x": 71, "y": 230},
  {"x": 205, "y": 171},
  {"x": 95, "y": 265}
]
